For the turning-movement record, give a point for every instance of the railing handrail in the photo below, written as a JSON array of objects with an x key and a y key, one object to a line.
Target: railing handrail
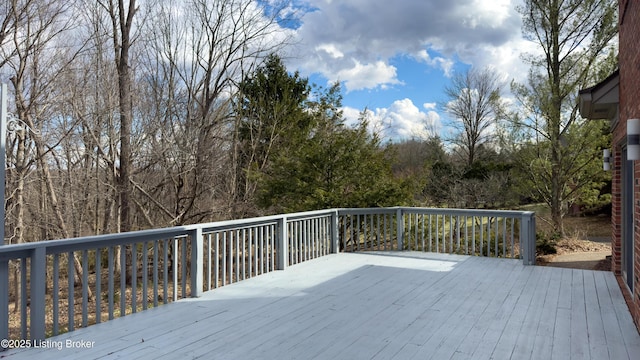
[
  {"x": 125, "y": 238},
  {"x": 170, "y": 232},
  {"x": 440, "y": 211}
]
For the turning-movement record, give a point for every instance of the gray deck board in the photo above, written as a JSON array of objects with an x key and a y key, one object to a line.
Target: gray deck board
[{"x": 386, "y": 305}]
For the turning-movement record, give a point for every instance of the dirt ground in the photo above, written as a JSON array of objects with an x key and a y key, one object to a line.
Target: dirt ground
[{"x": 591, "y": 254}]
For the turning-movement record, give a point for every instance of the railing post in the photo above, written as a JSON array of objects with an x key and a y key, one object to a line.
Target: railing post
[
  {"x": 283, "y": 247},
  {"x": 4, "y": 300},
  {"x": 528, "y": 238},
  {"x": 335, "y": 238},
  {"x": 197, "y": 262},
  {"x": 37, "y": 293},
  {"x": 400, "y": 228}
]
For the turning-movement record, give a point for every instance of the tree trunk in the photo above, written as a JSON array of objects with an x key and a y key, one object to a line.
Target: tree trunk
[{"x": 125, "y": 22}]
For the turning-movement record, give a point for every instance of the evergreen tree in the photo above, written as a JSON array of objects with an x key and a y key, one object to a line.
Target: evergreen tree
[
  {"x": 331, "y": 165},
  {"x": 270, "y": 111}
]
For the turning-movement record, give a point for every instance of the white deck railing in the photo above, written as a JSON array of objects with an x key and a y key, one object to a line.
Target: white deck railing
[{"x": 163, "y": 265}]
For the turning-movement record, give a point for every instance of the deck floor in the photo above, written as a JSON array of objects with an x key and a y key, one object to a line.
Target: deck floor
[{"x": 380, "y": 306}]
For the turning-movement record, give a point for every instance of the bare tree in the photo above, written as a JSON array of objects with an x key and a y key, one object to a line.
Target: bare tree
[
  {"x": 195, "y": 59},
  {"x": 474, "y": 101},
  {"x": 573, "y": 36},
  {"x": 121, "y": 15},
  {"x": 37, "y": 59}
]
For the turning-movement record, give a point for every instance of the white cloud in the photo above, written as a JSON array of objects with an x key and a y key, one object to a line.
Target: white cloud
[
  {"x": 331, "y": 49},
  {"x": 492, "y": 13},
  {"x": 430, "y": 106},
  {"x": 401, "y": 120},
  {"x": 368, "y": 33},
  {"x": 367, "y": 76},
  {"x": 446, "y": 65}
]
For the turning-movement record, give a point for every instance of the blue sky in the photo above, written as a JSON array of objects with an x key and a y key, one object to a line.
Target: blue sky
[{"x": 394, "y": 58}]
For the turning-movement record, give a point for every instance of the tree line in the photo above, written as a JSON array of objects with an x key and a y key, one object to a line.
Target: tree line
[{"x": 138, "y": 114}]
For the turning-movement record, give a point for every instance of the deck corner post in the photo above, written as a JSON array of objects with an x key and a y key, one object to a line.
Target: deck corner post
[
  {"x": 283, "y": 247},
  {"x": 197, "y": 262},
  {"x": 335, "y": 237},
  {"x": 400, "y": 228},
  {"x": 528, "y": 238},
  {"x": 4, "y": 300},
  {"x": 37, "y": 293}
]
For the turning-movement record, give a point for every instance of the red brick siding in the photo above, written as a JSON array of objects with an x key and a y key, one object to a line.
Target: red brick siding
[{"x": 629, "y": 57}]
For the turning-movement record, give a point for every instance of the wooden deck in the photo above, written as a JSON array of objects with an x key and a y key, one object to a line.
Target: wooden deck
[{"x": 379, "y": 306}]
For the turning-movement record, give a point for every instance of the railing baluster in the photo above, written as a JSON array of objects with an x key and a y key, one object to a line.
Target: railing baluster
[
  {"x": 316, "y": 237},
  {"x": 134, "y": 278},
  {"x": 513, "y": 222},
  {"x": 70, "y": 292},
  {"x": 110, "y": 281},
  {"x": 225, "y": 261},
  {"x": 430, "y": 234},
  {"x": 305, "y": 240},
  {"x": 291, "y": 241},
  {"x": 351, "y": 231},
  {"x": 384, "y": 231},
  {"x": 56, "y": 294},
  {"x": 416, "y": 232},
  {"x": 98, "y": 294},
  {"x": 183, "y": 266},
  {"x": 422, "y": 232},
  {"x": 473, "y": 235},
  {"x": 145, "y": 275},
  {"x": 250, "y": 252},
  {"x": 444, "y": 234},
  {"x": 216, "y": 278},
  {"x": 450, "y": 234},
  {"x": 301, "y": 241},
  {"x": 504, "y": 237},
  {"x": 319, "y": 236},
  {"x": 481, "y": 235},
  {"x": 272, "y": 252},
  {"x": 236, "y": 249},
  {"x": 410, "y": 226},
  {"x": 310, "y": 238},
  {"x": 325, "y": 224},
  {"x": 457, "y": 226},
  {"x": 466, "y": 235},
  {"x": 437, "y": 233},
  {"x": 262, "y": 249},
  {"x": 123, "y": 280},
  {"x": 256, "y": 251},
  {"x": 318, "y": 225},
  {"x": 165, "y": 273},
  {"x": 243, "y": 252},
  {"x": 23, "y": 298},
  {"x": 357, "y": 232},
  {"x": 488, "y": 236},
  {"x": 377, "y": 231},
  {"x": 229, "y": 260},
  {"x": 156, "y": 265},
  {"x": 496, "y": 251},
  {"x": 176, "y": 257},
  {"x": 209, "y": 251},
  {"x": 85, "y": 287}
]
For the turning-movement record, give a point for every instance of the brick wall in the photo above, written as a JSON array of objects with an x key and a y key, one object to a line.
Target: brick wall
[{"x": 629, "y": 17}]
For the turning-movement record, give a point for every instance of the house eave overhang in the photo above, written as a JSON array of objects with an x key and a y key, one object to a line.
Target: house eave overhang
[{"x": 601, "y": 101}]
